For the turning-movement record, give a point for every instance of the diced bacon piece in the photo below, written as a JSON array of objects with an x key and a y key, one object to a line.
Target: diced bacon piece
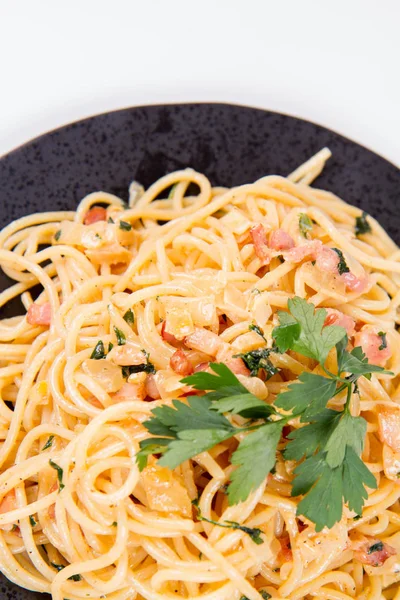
[
  {"x": 132, "y": 391},
  {"x": 180, "y": 363},
  {"x": 225, "y": 355},
  {"x": 280, "y": 240},
  {"x": 355, "y": 284},
  {"x": 285, "y": 553},
  {"x": 97, "y": 213},
  {"x": 327, "y": 260},
  {"x": 371, "y": 551},
  {"x": 203, "y": 340},
  {"x": 39, "y": 314},
  {"x": 309, "y": 250},
  {"x": 168, "y": 337},
  {"x": 389, "y": 426},
  {"x": 165, "y": 491},
  {"x": 259, "y": 237},
  {"x": 371, "y": 343},
  {"x": 151, "y": 387},
  {"x": 335, "y": 317}
]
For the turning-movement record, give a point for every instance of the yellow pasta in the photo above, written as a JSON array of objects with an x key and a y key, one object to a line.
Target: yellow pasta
[{"x": 77, "y": 518}]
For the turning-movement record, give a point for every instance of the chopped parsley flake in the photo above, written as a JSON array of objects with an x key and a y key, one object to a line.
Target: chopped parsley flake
[{"x": 342, "y": 266}]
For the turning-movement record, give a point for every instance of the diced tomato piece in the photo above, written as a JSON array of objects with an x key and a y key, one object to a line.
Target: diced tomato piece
[
  {"x": 355, "y": 284},
  {"x": 96, "y": 213},
  {"x": 280, "y": 240},
  {"x": 335, "y": 317},
  {"x": 39, "y": 314},
  {"x": 180, "y": 363},
  {"x": 285, "y": 553},
  {"x": 259, "y": 237},
  {"x": 371, "y": 344},
  {"x": 327, "y": 260},
  {"x": 372, "y": 551},
  {"x": 168, "y": 337}
]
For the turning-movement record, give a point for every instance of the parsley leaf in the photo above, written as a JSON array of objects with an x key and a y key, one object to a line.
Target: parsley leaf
[
  {"x": 32, "y": 521},
  {"x": 323, "y": 503},
  {"x": 245, "y": 405},
  {"x": 224, "y": 378},
  {"x": 98, "y": 351},
  {"x": 286, "y": 333},
  {"x": 362, "y": 226},
  {"x": 356, "y": 362},
  {"x": 305, "y": 224},
  {"x": 57, "y": 235},
  {"x": 314, "y": 340},
  {"x": 191, "y": 442},
  {"x": 150, "y": 446},
  {"x": 307, "y": 440},
  {"x": 309, "y": 395},
  {"x": 255, "y": 457},
  {"x": 349, "y": 432},
  {"x": 121, "y": 339},
  {"x": 342, "y": 265},
  {"x": 129, "y": 317},
  {"x": 355, "y": 476}
]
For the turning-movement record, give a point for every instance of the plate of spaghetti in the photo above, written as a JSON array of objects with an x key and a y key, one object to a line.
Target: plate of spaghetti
[{"x": 200, "y": 361}]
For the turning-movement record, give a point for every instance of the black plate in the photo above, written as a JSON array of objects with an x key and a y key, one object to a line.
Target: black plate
[{"x": 230, "y": 144}]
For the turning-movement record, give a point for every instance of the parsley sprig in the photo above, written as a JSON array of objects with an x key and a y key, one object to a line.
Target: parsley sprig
[{"x": 327, "y": 445}]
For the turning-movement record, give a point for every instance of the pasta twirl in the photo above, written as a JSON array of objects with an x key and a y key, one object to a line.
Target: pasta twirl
[{"x": 132, "y": 299}]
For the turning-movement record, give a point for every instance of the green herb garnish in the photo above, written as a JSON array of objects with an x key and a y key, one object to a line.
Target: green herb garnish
[
  {"x": 32, "y": 521},
  {"x": 382, "y": 335},
  {"x": 257, "y": 329},
  {"x": 327, "y": 446},
  {"x": 362, "y": 226},
  {"x": 375, "y": 548},
  {"x": 60, "y": 474},
  {"x": 305, "y": 224},
  {"x": 121, "y": 339},
  {"x": 254, "y": 533},
  {"x": 146, "y": 367},
  {"x": 110, "y": 220},
  {"x": 258, "y": 359},
  {"x": 125, "y": 226},
  {"x": 76, "y": 577},
  {"x": 48, "y": 443},
  {"x": 98, "y": 351},
  {"x": 129, "y": 317},
  {"x": 57, "y": 235},
  {"x": 342, "y": 265}
]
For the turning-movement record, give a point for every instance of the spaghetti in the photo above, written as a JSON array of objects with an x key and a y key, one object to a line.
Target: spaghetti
[{"x": 132, "y": 298}]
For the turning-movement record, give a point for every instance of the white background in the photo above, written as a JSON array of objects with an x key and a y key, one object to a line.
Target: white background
[{"x": 335, "y": 62}]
